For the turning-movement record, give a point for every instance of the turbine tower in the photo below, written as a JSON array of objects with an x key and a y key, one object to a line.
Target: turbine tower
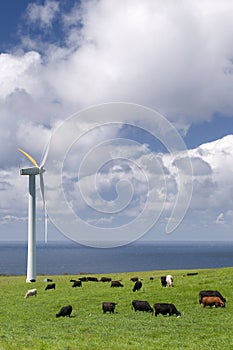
[{"x": 32, "y": 172}]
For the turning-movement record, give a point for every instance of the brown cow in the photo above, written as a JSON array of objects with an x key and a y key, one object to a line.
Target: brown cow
[
  {"x": 116, "y": 284},
  {"x": 108, "y": 307},
  {"x": 212, "y": 301}
]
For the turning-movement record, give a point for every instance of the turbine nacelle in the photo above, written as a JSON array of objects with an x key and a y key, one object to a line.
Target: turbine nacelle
[{"x": 30, "y": 171}]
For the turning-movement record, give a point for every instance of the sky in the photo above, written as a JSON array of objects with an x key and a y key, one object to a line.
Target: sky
[{"x": 135, "y": 102}]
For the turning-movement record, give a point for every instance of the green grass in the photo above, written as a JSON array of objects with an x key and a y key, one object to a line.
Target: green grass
[{"x": 31, "y": 323}]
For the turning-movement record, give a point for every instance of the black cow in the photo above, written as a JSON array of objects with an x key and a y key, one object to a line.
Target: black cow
[
  {"x": 163, "y": 281},
  {"x": 65, "y": 311},
  {"x": 137, "y": 286},
  {"x": 210, "y": 293},
  {"x": 140, "y": 305},
  {"x": 192, "y": 273},
  {"x": 77, "y": 284},
  {"x": 116, "y": 284},
  {"x": 134, "y": 279},
  {"x": 164, "y": 309},
  {"x": 105, "y": 279},
  {"x": 50, "y": 286},
  {"x": 92, "y": 279},
  {"x": 108, "y": 306}
]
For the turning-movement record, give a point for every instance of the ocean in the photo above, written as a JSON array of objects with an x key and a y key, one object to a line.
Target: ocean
[{"x": 70, "y": 258}]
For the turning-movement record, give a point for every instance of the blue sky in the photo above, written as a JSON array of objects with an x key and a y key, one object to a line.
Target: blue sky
[{"x": 58, "y": 58}]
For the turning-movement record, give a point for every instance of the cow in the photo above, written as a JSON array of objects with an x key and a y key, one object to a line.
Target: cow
[
  {"x": 77, "y": 284},
  {"x": 108, "y": 306},
  {"x": 30, "y": 293},
  {"x": 137, "y": 286},
  {"x": 65, "y": 311},
  {"x": 151, "y": 278},
  {"x": 212, "y": 301},
  {"x": 50, "y": 286},
  {"x": 134, "y": 279},
  {"x": 116, "y": 284},
  {"x": 139, "y": 305},
  {"x": 105, "y": 279},
  {"x": 165, "y": 308},
  {"x": 163, "y": 281},
  {"x": 210, "y": 293},
  {"x": 169, "y": 280},
  {"x": 92, "y": 279}
]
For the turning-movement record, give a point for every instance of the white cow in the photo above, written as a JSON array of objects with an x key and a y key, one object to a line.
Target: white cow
[
  {"x": 30, "y": 293},
  {"x": 169, "y": 280}
]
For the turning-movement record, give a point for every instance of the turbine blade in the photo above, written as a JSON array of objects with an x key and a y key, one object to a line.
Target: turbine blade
[
  {"x": 46, "y": 227},
  {"x": 29, "y": 157},
  {"x": 45, "y": 211},
  {"x": 42, "y": 187},
  {"x": 45, "y": 155}
]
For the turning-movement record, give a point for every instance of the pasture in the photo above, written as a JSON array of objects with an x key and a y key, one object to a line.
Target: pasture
[{"x": 31, "y": 323}]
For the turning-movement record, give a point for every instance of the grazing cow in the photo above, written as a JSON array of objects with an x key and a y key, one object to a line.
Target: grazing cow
[
  {"x": 77, "y": 284},
  {"x": 30, "y": 293},
  {"x": 92, "y": 279},
  {"x": 108, "y": 307},
  {"x": 212, "y": 301},
  {"x": 210, "y": 293},
  {"x": 65, "y": 311},
  {"x": 140, "y": 305},
  {"x": 163, "y": 281},
  {"x": 137, "y": 286},
  {"x": 50, "y": 286},
  {"x": 169, "y": 280},
  {"x": 134, "y": 279},
  {"x": 164, "y": 309},
  {"x": 151, "y": 278},
  {"x": 105, "y": 279},
  {"x": 116, "y": 284}
]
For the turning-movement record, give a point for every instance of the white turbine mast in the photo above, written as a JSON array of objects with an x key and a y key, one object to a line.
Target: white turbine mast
[{"x": 32, "y": 172}]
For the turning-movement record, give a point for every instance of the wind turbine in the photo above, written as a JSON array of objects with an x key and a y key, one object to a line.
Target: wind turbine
[{"x": 32, "y": 172}]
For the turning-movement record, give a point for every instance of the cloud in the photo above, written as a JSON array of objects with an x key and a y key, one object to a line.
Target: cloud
[
  {"x": 18, "y": 73},
  {"x": 199, "y": 166},
  {"x": 119, "y": 181},
  {"x": 173, "y": 57},
  {"x": 42, "y": 15},
  {"x": 11, "y": 219},
  {"x": 169, "y": 57}
]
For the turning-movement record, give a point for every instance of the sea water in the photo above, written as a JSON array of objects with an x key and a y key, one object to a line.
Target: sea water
[{"x": 70, "y": 258}]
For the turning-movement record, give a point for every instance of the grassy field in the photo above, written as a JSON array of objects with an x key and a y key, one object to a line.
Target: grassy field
[{"x": 31, "y": 323}]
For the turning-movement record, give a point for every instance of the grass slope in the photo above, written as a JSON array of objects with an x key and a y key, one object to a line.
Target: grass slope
[{"x": 31, "y": 323}]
